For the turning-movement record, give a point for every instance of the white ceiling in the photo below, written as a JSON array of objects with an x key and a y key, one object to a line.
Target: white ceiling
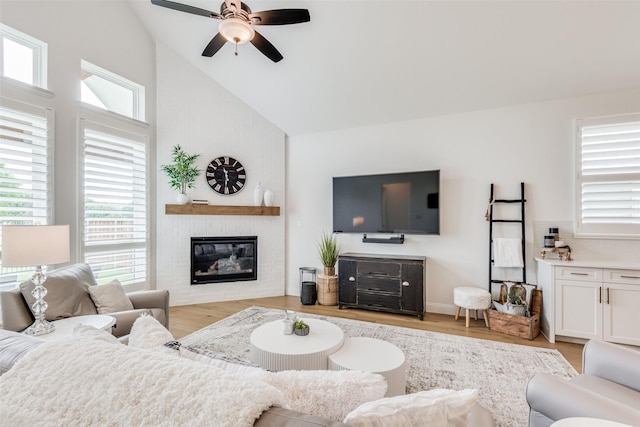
[{"x": 359, "y": 63}]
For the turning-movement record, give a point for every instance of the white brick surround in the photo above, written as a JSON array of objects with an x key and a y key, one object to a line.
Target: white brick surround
[{"x": 197, "y": 113}]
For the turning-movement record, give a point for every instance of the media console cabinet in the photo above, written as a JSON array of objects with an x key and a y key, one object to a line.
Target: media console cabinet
[{"x": 391, "y": 283}]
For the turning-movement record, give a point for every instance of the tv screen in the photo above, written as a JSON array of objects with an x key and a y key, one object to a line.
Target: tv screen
[{"x": 406, "y": 203}]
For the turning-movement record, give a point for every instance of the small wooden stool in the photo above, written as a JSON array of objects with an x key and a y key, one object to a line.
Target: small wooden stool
[{"x": 472, "y": 299}]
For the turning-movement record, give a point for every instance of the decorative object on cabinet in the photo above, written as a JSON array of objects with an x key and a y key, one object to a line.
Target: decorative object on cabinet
[
  {"x": 590, "y": 300},
  {"x": 225, "y": 175},
  {"x": 509, "y": 255},
  {"x": 562, "y": 253},
  {"x": 390, "y": 283},
  {"x": 182, "y": 172}
]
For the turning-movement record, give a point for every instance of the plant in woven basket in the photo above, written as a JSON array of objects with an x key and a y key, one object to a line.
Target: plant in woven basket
[
  {"x": 182, "y": 172},
  {"x": 329, "y": 251}
]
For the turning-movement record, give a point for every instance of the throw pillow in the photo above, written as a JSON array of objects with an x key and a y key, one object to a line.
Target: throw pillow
[
  {"x": 149, "y": 334},
  {"x": 110, "y": 298},
  {"x": 13, "y": 346},
  {"x": 432, "y": 408},
  {"x": 67, "y": 292}
]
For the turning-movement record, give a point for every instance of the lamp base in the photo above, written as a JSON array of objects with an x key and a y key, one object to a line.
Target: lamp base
[{"x": 40, "y": 327}]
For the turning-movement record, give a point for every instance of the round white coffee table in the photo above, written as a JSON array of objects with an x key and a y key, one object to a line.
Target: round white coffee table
[
  {"x": 273, "y": 350},
  {"x": 373, "y": 355},
  {"x": 65, "y": 327}
]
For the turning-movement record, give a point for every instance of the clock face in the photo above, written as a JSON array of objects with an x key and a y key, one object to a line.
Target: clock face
[{"x": 226, "y": 175}]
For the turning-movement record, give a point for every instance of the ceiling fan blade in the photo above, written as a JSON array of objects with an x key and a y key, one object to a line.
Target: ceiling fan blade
[
  {"x": 214, "y": 45},
  {"x": 280, "y": 17},
  {"x": 265, "y": 46},
  {"x": 186, "y": 8}
]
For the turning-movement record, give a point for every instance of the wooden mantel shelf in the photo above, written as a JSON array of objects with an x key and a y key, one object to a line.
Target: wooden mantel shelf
[{"x": 191, "y": 209}]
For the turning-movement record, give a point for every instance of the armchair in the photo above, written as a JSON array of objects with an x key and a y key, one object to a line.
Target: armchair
[
  {"x": 68, "y": 296},
  {"x": 608, "y": 388}
]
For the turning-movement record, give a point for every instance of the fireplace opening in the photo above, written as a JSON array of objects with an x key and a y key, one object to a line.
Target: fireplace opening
[{"x": 224, "y": 259}]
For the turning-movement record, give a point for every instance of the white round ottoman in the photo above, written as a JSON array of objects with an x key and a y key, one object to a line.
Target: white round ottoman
[
  {"x": 373, "y": 355},
  {"x": 472, "y": 299}
]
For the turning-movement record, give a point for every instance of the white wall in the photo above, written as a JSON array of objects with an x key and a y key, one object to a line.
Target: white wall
[
  {"x": 526, "y": 143},
  {"x": 204, "y": 118}
]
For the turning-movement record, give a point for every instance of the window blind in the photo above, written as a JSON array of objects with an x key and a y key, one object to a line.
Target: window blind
[
  {"x": 115, "y": 203},
  {"x": 609, "y": 177},
  {"x": 25, "y": 171}
]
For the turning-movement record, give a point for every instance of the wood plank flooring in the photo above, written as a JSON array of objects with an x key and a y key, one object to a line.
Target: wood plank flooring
[{"x": 186, "y": 319}]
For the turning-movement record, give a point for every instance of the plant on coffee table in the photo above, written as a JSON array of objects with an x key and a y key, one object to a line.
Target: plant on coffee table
[{"x": 301, "y": 328}]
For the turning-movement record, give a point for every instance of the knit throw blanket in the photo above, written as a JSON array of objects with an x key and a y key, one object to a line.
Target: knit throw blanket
[{"x": 84, "y": 382}]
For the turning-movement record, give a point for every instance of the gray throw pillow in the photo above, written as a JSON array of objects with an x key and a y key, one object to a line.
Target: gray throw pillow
[
  {"x": 13, "y": 346},
  {"x": 110, "y": 298},
  {"x": 67, "y": 292}
]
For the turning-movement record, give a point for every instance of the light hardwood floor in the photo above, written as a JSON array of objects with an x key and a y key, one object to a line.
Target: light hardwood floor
[{"x": 186, "y": 319}]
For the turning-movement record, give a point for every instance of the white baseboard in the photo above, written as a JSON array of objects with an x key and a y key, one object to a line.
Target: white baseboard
[{"x": 441, "y": 308}]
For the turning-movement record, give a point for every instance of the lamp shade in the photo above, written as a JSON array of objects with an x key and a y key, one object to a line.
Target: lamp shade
[
  {"x": 34, "y": 245},
  {"x": 236, "y": 30}
]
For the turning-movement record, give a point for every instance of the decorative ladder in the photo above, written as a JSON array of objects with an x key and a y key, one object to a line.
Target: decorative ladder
[{"x": 492, "y": 220}]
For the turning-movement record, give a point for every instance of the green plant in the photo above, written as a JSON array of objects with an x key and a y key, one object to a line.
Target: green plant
[
  {"x": 300, "y": 325},
  {"x": 328, "y": 250},
  {"x": 182, "y": 172}
]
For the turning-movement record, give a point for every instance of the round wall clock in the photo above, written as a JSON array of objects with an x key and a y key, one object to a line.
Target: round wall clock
[{"x": 226, "y": 175}]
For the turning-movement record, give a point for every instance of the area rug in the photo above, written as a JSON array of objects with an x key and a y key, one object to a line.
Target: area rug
[{"x": 499, "y": 371}]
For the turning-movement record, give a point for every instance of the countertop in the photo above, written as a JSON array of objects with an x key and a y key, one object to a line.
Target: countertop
[{"x": 621, "y": 265}]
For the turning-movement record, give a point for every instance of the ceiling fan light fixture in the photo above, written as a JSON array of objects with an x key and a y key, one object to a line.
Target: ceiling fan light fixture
[{"x": 236, "y": 30}]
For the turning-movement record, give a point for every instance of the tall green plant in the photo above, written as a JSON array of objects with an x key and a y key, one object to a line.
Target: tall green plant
[
  {"x": 183, "y": 172},
  {"x": 328, "y": 250}
]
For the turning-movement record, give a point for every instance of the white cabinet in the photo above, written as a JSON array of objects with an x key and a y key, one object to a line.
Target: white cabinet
[{"x": 590, "y": 303}]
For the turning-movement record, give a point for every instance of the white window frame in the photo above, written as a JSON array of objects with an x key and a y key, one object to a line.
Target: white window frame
[
  {"x": 131, "y": 131},
  {"x": 48, "y": 115},
  {"x": 138, "y": 91},
  {"x": 603, "y": 230},
  {"x": 39, "y": 54}
]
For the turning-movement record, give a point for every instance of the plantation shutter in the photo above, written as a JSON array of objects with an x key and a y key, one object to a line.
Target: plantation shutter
[
  {"x": 25, "y": 172},
  {"x": 115, "y": 203},
  {"x": 609, "y": 176}
]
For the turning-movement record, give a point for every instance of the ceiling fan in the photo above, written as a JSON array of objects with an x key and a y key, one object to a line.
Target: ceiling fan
[{"x": 237, "y": 24}]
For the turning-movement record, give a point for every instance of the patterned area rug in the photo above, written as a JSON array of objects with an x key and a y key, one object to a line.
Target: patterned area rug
[{"x": 498, "y": 370}]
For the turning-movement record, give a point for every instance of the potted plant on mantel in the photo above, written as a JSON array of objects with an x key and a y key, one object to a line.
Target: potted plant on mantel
[
  {"x": 182, "y": 173},
  {"x": 328, "y": 251}
]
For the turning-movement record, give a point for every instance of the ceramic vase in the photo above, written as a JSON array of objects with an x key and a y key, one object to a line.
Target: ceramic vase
[
  {"x": 183, "y": 199},
  {"x": 258, "y": 195},
  {"x": 268, "y": 198}
]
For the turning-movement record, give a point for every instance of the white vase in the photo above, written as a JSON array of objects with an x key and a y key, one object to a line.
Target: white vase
[
  {"x": 183, "y": 199},
  {"x": 257, "y": 195},
  {"x": 268, "y": 198}
]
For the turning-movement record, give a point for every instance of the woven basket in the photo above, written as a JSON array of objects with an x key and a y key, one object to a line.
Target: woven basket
[{"x": 327, "y": 290}]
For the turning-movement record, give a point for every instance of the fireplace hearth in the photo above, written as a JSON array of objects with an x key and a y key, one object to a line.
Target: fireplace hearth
[{"x": 224, "y": 259}]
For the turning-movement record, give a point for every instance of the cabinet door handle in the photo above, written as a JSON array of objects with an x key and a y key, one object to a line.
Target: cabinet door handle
[
  {"x": 600, "y": 294},
  {"x": 405, "y": 283},
  {"x": 352, "y": 279},
  {"x": 608, "y": 295},
  {"x": 630, "y": 277},
  {"x": 579, "y": 274}
]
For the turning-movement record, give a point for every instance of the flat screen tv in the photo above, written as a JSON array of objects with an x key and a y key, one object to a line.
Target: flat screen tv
[{"x": 401, "y": 203}]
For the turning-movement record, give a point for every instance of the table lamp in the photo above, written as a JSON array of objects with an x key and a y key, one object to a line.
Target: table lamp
[{"x": 36, "y": 245}]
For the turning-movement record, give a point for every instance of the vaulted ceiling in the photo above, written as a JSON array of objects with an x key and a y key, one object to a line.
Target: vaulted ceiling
[{"x": 359, "y": 63}]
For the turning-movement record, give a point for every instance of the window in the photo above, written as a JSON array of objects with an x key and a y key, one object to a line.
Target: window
[
  {"x": 104, "y": 89},
  {"x": 608, "y": 178},
  {"x": 23, "y": 57},
  {"x": 114, "y": 203},
  {"x": 25, "y": 171}
]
